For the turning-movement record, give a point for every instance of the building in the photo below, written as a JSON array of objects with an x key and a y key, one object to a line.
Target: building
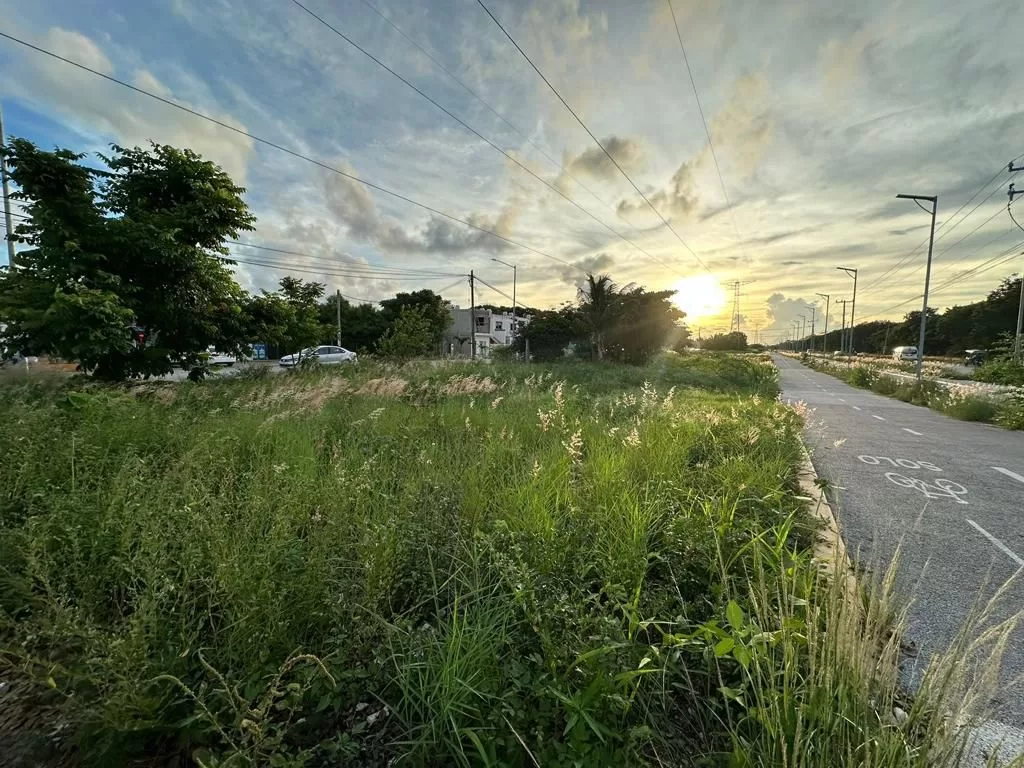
[{"x": 491, "y": 329}]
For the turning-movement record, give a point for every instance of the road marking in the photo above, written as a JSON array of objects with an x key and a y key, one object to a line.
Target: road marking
[
  {"x": 911, "y": 431},
  {"x": 1008, "y": 473},
  {"x": 880, "y": 418},
  {"x": 856, "y": 407},
  {"x": 841, "y": 400},
  {"x": 1002, "y": 547}
]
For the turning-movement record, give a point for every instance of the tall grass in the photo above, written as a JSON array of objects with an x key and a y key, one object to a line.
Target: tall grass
[{"x": 504, "y": 566}]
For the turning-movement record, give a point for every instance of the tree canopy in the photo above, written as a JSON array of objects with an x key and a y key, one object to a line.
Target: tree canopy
[{"x": 126, "y": 271}]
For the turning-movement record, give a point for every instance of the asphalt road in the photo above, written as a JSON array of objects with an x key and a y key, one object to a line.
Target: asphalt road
[{"x": 949, "y": 493}]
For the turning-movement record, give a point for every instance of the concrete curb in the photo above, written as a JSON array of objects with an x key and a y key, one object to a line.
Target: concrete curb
[{"x": 829, "y": 547}]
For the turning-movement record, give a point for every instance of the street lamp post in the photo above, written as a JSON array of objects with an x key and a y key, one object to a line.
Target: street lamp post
[
  {"x": 824, "y": 339},
  {"x": 853, "y": 304},
  {"x": 814, "y": 310},
  {"x": 515, "y": 321},
  {"x": 927, "y": 273},
  {"x": 803, "y": 332}
]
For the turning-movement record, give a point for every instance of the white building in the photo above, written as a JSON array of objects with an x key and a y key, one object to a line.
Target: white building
[{"x": 491, "y": 329}]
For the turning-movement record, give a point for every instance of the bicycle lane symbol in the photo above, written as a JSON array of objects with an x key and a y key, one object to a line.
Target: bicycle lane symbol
[{"x": 940, "y": 488}]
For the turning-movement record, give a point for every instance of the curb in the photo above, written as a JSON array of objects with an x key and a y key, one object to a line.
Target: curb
[{"x": 829, "y": 547}]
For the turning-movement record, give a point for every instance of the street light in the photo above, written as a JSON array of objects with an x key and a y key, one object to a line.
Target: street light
[
  {"x": 514, "y": 270},
  {"x": 824, "y": 340},
  {"x": 927, "y": 273},
  {"x": 803, "y": 332},
  {"x": 814, "y": 310},
  {"x": 853, "y": 305}
]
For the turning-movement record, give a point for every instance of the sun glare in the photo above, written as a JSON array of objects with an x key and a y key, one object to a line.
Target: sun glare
[{"x": 700, "y": 296}]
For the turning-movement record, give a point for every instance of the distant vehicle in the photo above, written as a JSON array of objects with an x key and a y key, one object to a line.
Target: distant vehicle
[
  {"x": 220, "y": 358},
  {"x": 904, "y": 353},
  {"x": 325, "y": 355},
  {"x": 20, "y": 360},
  {"x": 975, "y": 356}
]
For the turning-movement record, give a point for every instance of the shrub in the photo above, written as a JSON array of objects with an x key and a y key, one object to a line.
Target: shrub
[
  {"x": 862, "y": 376},
  {"x": 1002, "y": 371},
  {"x": 1010, "y": 412}
]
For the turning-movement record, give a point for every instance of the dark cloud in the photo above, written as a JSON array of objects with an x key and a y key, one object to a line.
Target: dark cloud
[
  {"x": 354, "y": 207},
  {"x": 574, "y": 273},
  {"x": 678, "y": 201},
  {"x": 594, "y": 163}
]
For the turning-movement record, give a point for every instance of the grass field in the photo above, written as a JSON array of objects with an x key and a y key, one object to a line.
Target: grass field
[{"x": 572, "y": 565}]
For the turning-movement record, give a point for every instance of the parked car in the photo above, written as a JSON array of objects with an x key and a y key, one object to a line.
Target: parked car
[
  {"x": 904, "y": 353},
  {"x": 220, "y": 358},
  {"x": 19, "y": 359},
  {"x": 325, "y": 355}
]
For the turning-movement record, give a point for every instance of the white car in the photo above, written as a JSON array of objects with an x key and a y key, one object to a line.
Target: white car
[
  {"x": 325, "y": 355},
  {"x": 213, "y": 357}
]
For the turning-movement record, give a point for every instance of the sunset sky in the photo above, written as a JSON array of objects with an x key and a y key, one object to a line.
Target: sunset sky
[{"x": 819, "y": 112}]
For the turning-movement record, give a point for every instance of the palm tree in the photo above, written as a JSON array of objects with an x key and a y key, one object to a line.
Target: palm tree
[{"x": 598, "y": 299}]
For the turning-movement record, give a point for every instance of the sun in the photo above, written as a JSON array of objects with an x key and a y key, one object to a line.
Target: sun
[{"x": 700, "y": 296}]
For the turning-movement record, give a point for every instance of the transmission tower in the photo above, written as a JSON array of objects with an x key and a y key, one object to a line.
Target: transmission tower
[{"x": 734, "y": 321}]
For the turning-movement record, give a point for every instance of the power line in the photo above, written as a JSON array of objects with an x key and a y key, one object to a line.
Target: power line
[
  {"x": 475, "y": 132},
  {"x": 703, "y": 119},
  {"x": 592, "y": 136},
  {"x": 369, "y": 267},
  {"x": 496, "y": 290},
  {"x": 292, "y": 152},
  {"x": 327, "y": 271},
  {"x": 943, "y": 226},
  {"x": 479, "y": 98}
]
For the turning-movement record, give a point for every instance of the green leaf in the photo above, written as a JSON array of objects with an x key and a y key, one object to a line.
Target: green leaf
[
  {"x": 734, "y": 615},
  {"x": 724, "y": 647}
]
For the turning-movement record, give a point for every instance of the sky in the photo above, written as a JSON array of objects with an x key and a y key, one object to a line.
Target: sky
[{"x": 819, "y": 113}]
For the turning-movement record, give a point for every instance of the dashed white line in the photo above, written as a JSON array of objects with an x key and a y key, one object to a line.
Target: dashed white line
[
  {"x": 1008, "y": 473},
  {"x": 841, "y": 400},
  {"x": 880, "y": 418},
  {"x": 913, "y": 432},
  {"x": 856, "y": 408},
  {"x": 999, "y": 545}
]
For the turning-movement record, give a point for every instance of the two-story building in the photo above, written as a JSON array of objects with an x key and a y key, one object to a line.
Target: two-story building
[{"x": 490, "y": 329}]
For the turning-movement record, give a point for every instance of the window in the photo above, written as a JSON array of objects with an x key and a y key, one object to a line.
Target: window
[
  {"x": 322, "y": 351},
  {"x": 481, "y": 322},
  {"x": 498, "y": 326}
]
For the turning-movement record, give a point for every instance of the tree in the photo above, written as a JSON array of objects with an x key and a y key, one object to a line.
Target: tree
[
  {"x": 644, "y": 323},
  {"x": 726, "y": 342},
  {"x": 126, "y": 271},
  {"x": 550, "y": 332},
  {"x": 410, "y": 335},
  {"x": 598, "y": 301},
  {"x": 434, "y": 309}
]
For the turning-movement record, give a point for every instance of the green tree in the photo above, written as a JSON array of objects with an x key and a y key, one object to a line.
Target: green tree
[
  {"x": 125, "y": 273},
  {"x": 644, "y": 323},
  {"x": 410, "y": 335},
  {"x": 550, "y": 332},
  {"x": 434, "y": 309},
  {"x": 726, "y": 342},
  {"x": 599, "y": 301}
]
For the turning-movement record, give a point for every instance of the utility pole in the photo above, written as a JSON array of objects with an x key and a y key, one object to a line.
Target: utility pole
[
  {"x": 734, "y": 321},
  {"x": 813, "y": 310},
  {"x": 338, "y": 303},
  {"x": 842, "y": 332},
  {"x": 11, "y": 256},
  {"x": 853, "y": 304},
  {"x": 1020, "y": 307},
  {"x": 934, "y": 200},
  {"x": 472, "y": 318},
  {"x": 824, "y": 339}
]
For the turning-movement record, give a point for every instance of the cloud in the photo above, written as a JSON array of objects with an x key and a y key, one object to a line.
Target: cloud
[
  {"x": 741, "y": 130},
  {"x": 594, "y": 163},
  {"x": 575, "y": 273},
  {"x": 783, "y": 312},
  {"x": 106, "y": 109},
  {"x": 352, "y": 205}
]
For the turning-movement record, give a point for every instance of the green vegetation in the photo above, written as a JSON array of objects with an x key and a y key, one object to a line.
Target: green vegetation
[
  {"x": 462, "y": 565},
  {"x": 962, "y": 401},
  {"x": 1001, "y": 371}
]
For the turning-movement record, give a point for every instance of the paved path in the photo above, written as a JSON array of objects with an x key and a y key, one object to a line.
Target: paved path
[{"x": 951, "y": 492}]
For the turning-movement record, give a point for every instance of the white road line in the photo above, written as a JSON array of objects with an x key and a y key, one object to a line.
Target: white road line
[
  {"x": 880, "y": 418},
  {"x": 856, "y": 407},
  {"x": 841, "y": 400},
  {"x": 905, "y": 429},
  {"x": 999, "y": 545},
  {"x": 1008, "y": 473}
]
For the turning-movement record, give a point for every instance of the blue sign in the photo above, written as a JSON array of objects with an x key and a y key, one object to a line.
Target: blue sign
[{"x": 259, "y": 351}]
